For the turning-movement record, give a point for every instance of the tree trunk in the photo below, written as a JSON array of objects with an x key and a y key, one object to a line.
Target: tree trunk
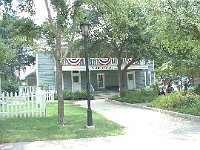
[
  {"x": 120, "y": 77},
  {"x": 58, "y": 57},
  {"x": 56, "y": 28},
  {"x": 61, "y": 117}
]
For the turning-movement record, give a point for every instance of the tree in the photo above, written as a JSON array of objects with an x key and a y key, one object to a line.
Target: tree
[
  {"x": 61, "y": 30},
  {"x": 123, "y": 32},
  {"x": 175, "y": 28},
  {"x": 17, "y": 36}
]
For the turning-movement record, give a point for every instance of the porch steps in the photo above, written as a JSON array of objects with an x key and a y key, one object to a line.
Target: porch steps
[{"x": 104, "y": 94}]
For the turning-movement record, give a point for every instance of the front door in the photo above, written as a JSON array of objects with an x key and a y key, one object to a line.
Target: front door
[
  {"x": 131, "y": 80},
  {"x": 100, "y": 80},
  {"x": 76, "y": 81}
]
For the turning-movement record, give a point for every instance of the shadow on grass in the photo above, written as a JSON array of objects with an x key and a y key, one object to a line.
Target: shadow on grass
[{"x": 46, "y": 128}]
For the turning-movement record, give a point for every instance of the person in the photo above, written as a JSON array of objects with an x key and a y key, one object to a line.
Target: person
[
  {"x": 185, "y": 85},
  {"x": 169, "y": 87},
  {"x": 162, "y": 91},
  {"x": 179, "y": 85}
]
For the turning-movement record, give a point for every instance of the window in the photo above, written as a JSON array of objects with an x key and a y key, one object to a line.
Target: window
[
  {"x": 130, "y": 77},
  {"x": 75, "y": 72},
  {"x": 75, "y": 78},
  {"x": 100, "y": 80}
]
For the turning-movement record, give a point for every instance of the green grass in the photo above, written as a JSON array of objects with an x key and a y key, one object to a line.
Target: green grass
[{"x": 32, "y": 129}]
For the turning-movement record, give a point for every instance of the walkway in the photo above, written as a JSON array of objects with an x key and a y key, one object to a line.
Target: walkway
[{"x": 146, "y": 129}]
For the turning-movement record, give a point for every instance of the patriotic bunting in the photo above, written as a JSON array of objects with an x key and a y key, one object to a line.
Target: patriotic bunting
[
  {"x": 104, "y": 61},
  {"x": 73, "y": 61},
  {"x": 134, "y": 63}
]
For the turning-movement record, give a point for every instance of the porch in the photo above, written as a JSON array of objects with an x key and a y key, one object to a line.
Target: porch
[
  {"x": 106, "y": 80},
  {"x": 78, "y": 64}
]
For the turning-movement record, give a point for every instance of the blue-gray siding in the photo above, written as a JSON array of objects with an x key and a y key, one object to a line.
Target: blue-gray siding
[
  {"x": 111, "y": 78},
  {"x": 67, "y": 80},
  {"x": 139, "y": 79},
  {"x": 46, "y": 73}
]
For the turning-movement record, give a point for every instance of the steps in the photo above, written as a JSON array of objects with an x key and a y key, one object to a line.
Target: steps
[{"x": 104, "y": 94}]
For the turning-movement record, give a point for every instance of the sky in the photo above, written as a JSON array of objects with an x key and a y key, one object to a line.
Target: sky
[
  {"x": 39, "y": 17},
  {"x": 41, "y": 12}
]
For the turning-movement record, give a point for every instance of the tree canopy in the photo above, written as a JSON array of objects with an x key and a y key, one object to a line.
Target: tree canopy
[{"x": 175, "y": 26}]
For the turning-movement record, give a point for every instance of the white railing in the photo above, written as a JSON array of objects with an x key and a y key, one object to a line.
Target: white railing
[
  {"x": 49, "y": 94},
  {"x": 27, "y": 89},
  {"x": 25, "y": 105},
  {"x": 99, "y": 61}
]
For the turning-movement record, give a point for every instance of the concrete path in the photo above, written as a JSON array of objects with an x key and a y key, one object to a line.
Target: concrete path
[{"x": 145, "y": 129}]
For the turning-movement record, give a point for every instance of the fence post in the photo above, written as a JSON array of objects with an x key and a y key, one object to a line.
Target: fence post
[{"x": 40, "y": 98}]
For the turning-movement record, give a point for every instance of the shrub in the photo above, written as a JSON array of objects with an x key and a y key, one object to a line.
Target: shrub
[
  {"x": 80, "y": 95},
  {"x": 177, "y": 101},
  {"x": 197, "y": 89},
  {"x": 155, "y": 87},
  {"x": 137, "y": 96},
  {"x": 9, "y": 86},
  {"x": 69, "y": 95}
]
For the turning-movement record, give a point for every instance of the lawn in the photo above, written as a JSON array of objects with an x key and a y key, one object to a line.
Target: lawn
[{"x": 36, "y": 129}]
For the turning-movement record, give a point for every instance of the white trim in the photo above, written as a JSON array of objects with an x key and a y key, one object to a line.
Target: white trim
[
  {"x": 145, "y": 78},
  {"x": 62, "y": 82},
  {"x": 79, "y": 80},
  {"x": 134, "y": 83},
  {"x": 82, "y": 68},
  {"x": 37, "y": 62},
  {"x": 103, "y": 75}
]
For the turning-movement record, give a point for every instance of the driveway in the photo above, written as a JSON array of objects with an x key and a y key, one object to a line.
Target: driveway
[{"x": 145, "y": 129}]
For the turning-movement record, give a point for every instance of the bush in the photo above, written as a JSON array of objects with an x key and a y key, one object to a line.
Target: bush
[
  {"x": 68, "y": 95},
  {"x": 197, "y": 89},
  {"x": 9, "y": 86},
  {"x": 180, "y": 102},
  {"x": 137, "y": 96}
]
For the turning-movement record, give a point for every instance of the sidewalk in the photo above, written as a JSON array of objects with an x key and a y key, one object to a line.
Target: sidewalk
[{"x": 146, "y": 129}]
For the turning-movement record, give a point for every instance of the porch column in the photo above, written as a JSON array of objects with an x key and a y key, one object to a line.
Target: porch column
[
  {"x": 149, "y": 72},
  {"x": 62, "y": 82},
  {"x": 145, "y": 78}
]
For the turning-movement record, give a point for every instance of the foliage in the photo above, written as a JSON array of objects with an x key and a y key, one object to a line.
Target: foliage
[
  {"x": 32, "y": 129},
  {"x": 9, "y": 86},
  {"x": 4, "y": 54},
  {"x": 137, "y": 96},
  {"x": 60, "y": 31},
  {"x": 122, "y": 34},
  {"x": 17, "y": 40},
  {"x": 176, "y": 101},
  {"x": 79, "y": 95},
  {"x": 197, "y": 89},
  {"x": 175, "y": 29}
]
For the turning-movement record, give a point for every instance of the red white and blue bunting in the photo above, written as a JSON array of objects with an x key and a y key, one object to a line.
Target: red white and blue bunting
[
  {"x": 73, "y": 61},
  {"x": 134, "y": 63},
  {"x": 104, "y": 61}
]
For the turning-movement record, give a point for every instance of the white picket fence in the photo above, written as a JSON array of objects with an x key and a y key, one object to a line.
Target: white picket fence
[
  {"x": 49, "y": 94},
  {"x": 28, "y": 104}
]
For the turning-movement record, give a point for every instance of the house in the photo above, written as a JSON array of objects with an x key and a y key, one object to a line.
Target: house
[{"x": 103, "y": 73}]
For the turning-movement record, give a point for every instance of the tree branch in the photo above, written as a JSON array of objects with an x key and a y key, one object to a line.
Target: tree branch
[{"x": 50, "y": 18}]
